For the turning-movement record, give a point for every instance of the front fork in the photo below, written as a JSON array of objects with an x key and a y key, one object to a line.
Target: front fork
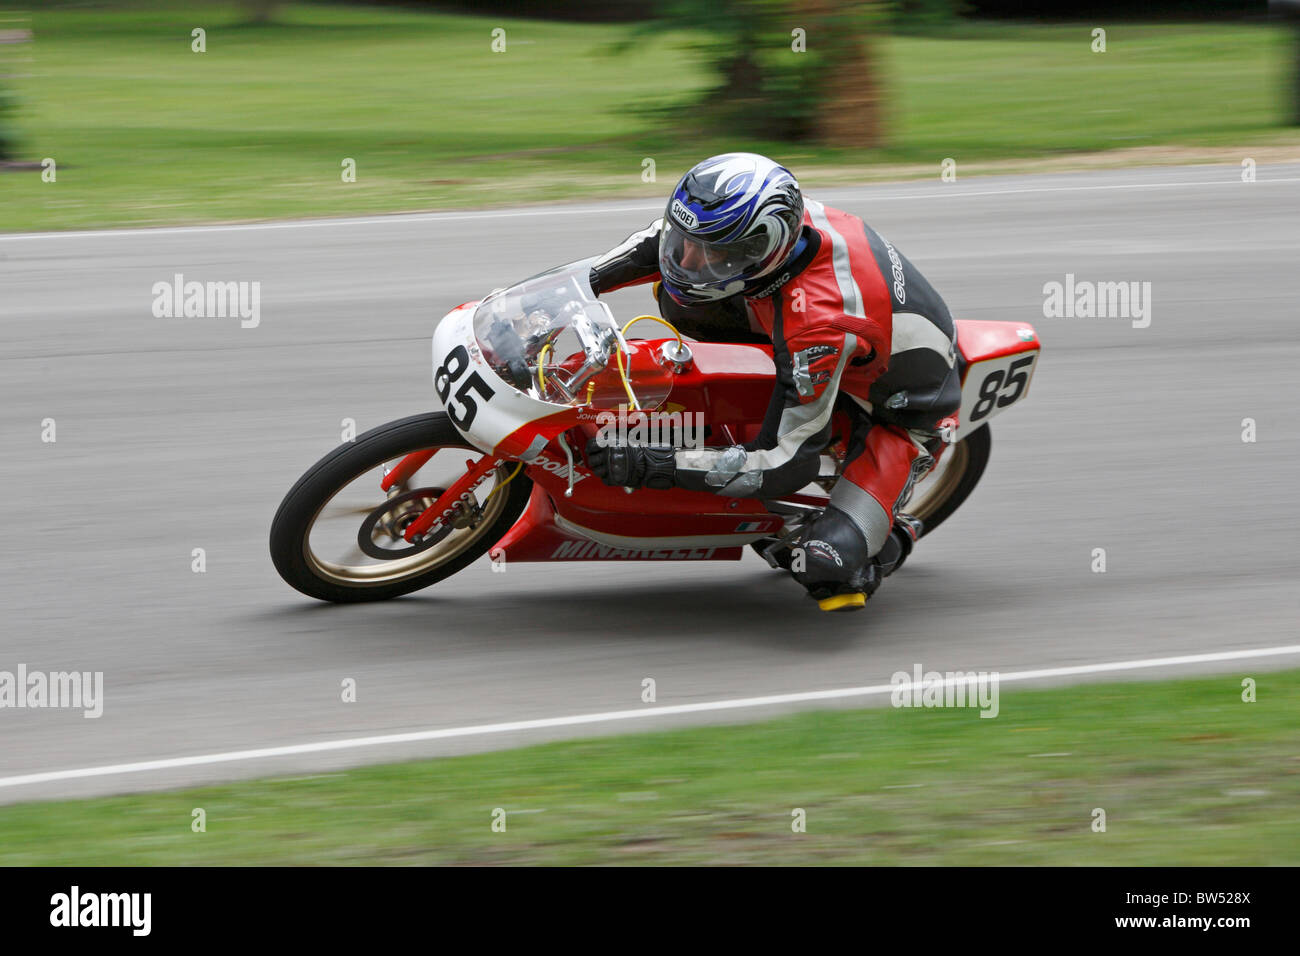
[
  {"x": 406, "y": 468},
  {"x": 433, "y": 517}
]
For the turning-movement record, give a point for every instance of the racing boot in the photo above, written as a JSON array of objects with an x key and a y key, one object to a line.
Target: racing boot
[
  {"x": 831, "y": 562},
  {"x": 828, "y": 547}
]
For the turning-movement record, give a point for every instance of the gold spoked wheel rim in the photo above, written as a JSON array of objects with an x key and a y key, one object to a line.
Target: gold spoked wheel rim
[{"x": 353, "y": 568}]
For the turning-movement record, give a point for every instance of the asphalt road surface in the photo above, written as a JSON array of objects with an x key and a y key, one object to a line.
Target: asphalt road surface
[{"x": 176, "y": 434}]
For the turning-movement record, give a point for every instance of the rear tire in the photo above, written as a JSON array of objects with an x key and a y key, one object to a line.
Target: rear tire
[{"x": 291, "y": 527}]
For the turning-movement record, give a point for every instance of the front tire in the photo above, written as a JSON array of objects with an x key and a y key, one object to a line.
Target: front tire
[{"x": 368, "y": 572}]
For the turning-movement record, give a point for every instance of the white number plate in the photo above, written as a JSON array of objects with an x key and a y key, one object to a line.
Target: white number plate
[{"x": 994, "y": 384}]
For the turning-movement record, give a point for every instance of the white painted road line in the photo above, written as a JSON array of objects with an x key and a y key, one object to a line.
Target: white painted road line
[
  {"x": 941, "y": 192},
  {"x": 613, "y": 715}
]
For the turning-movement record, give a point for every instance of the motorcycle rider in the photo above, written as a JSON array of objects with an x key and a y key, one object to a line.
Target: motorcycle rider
[{"x": 741, "y": 255}]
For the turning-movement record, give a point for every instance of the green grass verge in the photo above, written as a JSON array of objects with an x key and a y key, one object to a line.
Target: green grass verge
[
  {"x": 144, "y": 131},
  {"x": 1187, "y": 773}
]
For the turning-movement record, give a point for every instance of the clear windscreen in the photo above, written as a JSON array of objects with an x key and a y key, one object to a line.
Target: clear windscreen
[{"x": 552, "y": 339}]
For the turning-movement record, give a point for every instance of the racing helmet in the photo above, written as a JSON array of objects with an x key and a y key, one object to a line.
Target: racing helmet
[{"x": 733, "y": 220}]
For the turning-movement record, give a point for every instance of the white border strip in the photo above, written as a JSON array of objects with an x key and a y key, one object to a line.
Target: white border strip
[
  {"x": 874, "y": 192},
  {"x": 639, "y": 714}
]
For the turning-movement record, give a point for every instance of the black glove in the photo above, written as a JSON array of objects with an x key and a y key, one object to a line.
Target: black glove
[{"x": 633, "y": 466}]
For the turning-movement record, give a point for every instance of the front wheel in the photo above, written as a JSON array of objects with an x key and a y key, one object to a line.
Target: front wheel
[{"x": 338, "y": 537}]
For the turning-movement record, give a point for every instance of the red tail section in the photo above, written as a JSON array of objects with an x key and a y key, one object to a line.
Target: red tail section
[{"x": 980, "y": 340}]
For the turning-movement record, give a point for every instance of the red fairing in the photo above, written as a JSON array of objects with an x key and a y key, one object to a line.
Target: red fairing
[
  {"x": 535, "y": 537},
  {"x": 729, "y": 386}
]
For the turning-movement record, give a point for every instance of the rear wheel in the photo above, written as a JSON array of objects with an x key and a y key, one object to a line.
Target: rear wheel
[{"x": 338, "y": 537}]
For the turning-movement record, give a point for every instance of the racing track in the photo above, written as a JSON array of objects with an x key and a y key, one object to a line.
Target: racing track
[{"x": 176, "y": 434}]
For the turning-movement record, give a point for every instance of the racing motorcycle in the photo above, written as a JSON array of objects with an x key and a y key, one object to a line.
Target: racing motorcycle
[{"x": 526, "y": 376}]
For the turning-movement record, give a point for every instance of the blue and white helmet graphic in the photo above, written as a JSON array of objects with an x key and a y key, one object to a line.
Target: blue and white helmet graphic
[{"x": 732, "y": 220}]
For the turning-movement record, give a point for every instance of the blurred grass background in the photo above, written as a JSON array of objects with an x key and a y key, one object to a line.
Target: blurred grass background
[
  {"x": 1187, "y": 773},
  {"x": 145, "y": 132}
]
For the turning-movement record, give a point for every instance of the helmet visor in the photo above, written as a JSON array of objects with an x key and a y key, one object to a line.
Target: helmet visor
[{"x": 691, "y": 261}]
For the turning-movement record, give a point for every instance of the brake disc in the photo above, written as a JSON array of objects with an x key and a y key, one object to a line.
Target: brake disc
[{"x": 392, "y": 518}]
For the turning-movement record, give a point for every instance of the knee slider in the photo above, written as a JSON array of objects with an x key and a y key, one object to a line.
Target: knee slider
[{"x": 833, "y": 552}]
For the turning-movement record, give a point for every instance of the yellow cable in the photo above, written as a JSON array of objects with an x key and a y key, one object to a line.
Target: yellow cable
[
  {"x": 622, "y": 371},
  {"x": 654, "y": 318},
  {"x": 541, "y": 374},
  {"x": 495, "y": 488}
]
